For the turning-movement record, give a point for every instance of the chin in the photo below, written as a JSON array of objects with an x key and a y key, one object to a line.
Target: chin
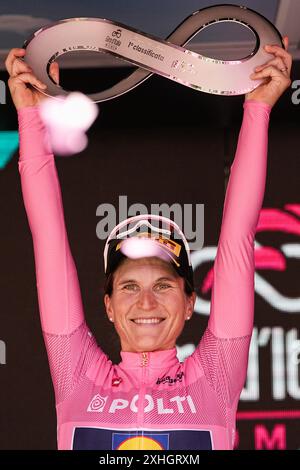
[{"x": 148, "y": 346}]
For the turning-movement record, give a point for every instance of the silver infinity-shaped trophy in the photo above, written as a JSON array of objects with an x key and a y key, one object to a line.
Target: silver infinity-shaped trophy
[{"x": 153, "y": 55}]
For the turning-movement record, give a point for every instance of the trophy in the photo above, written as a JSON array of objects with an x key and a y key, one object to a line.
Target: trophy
[{"x": 166, "y": 57}]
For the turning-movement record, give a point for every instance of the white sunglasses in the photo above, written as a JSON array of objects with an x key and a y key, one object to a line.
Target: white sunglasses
[{"x": 143, "y": 219}]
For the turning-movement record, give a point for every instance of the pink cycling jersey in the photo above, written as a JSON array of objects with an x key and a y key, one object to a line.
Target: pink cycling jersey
[{"x": 148, "y": 400}]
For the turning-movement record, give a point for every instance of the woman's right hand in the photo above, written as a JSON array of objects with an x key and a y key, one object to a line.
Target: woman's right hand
[{"x": 22, "y": 77}]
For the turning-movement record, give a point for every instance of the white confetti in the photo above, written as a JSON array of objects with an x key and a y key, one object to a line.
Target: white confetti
[{"x": 67, "y": 120}]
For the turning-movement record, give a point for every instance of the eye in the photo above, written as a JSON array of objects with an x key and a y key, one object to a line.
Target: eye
[
  {"x": 131, "y": 287},
  {"x": 162, "y": 286}
]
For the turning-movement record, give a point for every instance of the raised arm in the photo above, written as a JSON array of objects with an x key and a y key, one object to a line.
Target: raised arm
[
  {"x": 71, "y": 347},
  {"x": 223, "y": 349},
  {"x": 232, "y": 301},
  {"x": 57, "y": 281},
  {"x": 232, "y": 298}
]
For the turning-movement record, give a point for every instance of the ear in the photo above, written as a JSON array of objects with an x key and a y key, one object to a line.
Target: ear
[
  {"x": 54, "y": 72},
  {"x": 191, "y": 299},
  {"x": 109, "y": 307}
]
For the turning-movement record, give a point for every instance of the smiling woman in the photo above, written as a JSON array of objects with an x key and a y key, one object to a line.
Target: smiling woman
[
  {"x": 148, "y": 305},
  {"x": 148, "y": 298},
  {"x": 149, "y": 400}
]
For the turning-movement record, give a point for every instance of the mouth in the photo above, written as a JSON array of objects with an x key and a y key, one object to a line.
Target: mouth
[{"x": 147, "y": 321}]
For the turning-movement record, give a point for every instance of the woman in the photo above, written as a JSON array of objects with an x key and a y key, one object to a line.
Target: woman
[{"x": 149, "y": 400}]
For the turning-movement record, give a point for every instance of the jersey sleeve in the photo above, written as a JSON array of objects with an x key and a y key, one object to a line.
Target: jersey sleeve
[
  {"x": 224, "y": 347},
  {"x": 232, "y": 300},
  {"x": 71, "y": 347}
]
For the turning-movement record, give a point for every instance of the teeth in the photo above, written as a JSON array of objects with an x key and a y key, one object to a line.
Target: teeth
[{"x": 148, "y": 320}]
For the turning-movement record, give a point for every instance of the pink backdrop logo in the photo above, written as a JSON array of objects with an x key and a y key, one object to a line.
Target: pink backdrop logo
[{"x": 285, "y": 220}]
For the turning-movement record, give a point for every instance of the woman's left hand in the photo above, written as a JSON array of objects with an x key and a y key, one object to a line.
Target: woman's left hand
[{"x": 277, "y": 74}]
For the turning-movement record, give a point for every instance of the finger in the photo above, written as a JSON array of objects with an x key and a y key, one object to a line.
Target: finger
[
  {"x": 13, "y": 54},
  {"x": 286, "y": 42},
  {"x": 28, "y": 78},
  {"x": 277, "y": 62},
  {"x": 20, "y": 66},
  {"x": 54, "y": 72},
  {"x": 280, "y": 52},
  {"x": 270, "y": 72}
]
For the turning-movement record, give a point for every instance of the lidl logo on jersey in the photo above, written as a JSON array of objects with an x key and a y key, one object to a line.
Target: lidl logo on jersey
[
  {"x": 175, "y": 404},
  {"x": 93, "y": 438},
  {"x": 145, "y": 441}
]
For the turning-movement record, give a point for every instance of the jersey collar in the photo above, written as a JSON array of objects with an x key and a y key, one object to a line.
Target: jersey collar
[{"x": 152, "y": 359}]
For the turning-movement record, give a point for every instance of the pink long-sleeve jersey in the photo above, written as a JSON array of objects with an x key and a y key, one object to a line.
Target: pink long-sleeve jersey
[{"x": 148, "y": 400}]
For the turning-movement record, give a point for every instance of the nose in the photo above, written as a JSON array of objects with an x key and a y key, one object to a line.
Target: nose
[{"x": 147, "y": 300}]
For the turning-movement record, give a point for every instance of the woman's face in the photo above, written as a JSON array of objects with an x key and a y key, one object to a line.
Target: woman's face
[{"x": 148, "y": 305}]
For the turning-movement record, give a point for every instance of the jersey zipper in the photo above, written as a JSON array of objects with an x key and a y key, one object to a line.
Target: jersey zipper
[{"x": 142, "y": 392}]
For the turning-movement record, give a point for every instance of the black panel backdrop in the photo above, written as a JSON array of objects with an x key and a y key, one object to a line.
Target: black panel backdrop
[{"x": 160, "y": 143}]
